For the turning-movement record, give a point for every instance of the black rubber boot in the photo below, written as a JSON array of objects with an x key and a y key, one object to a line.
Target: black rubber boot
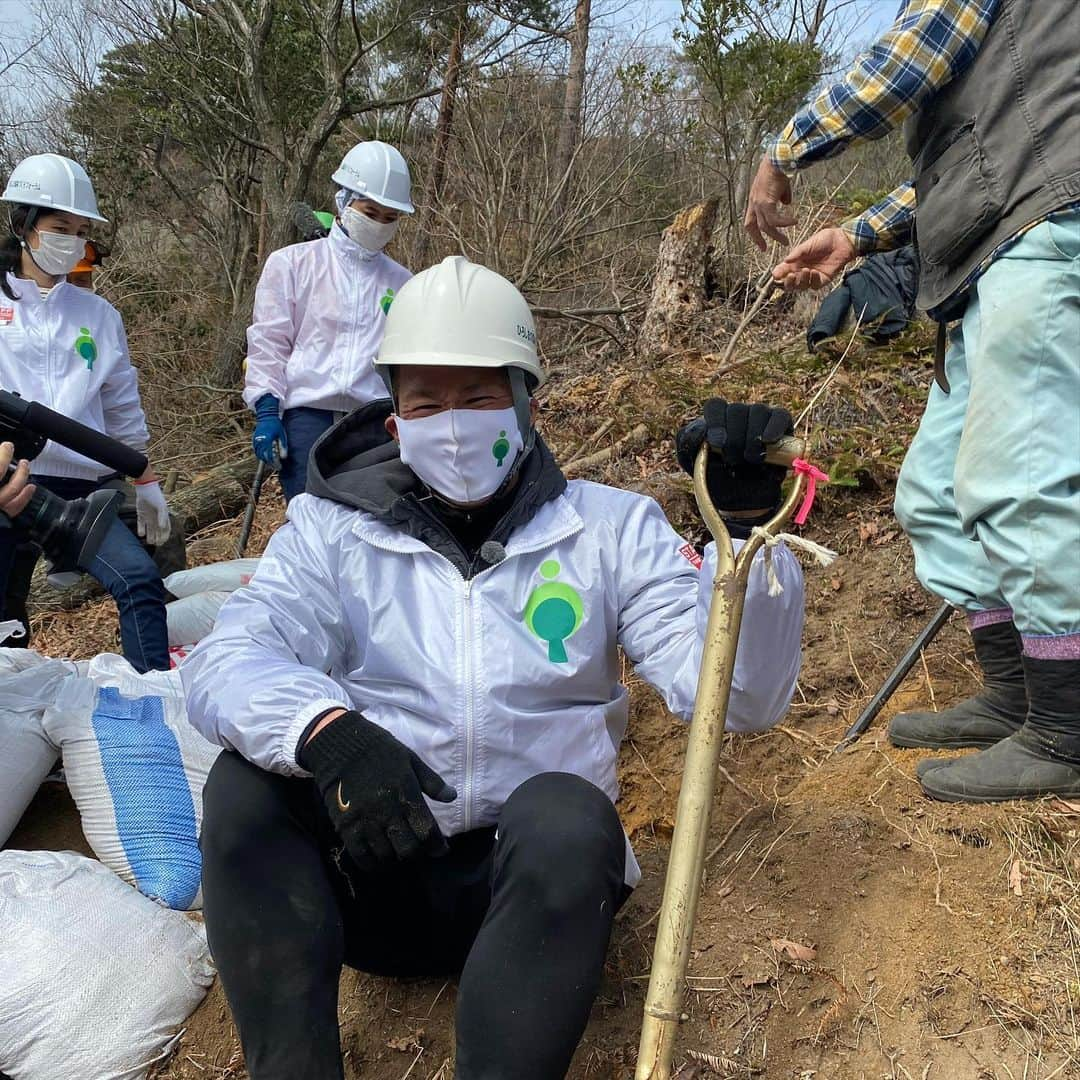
[
  {"x": 1043, "y": 758},
  {"x": 991, "y": 715}
]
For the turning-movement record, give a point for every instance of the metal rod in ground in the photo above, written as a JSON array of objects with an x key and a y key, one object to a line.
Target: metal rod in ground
[
  {"x": 249, "y": 513},
  {"x": 899, "y": 673}
]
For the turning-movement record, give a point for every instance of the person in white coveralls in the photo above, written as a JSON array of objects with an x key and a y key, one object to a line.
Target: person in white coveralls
[
  {"x": 65, "y": 347},
  {"x": 420, "y": 692},
  {"x": 319, "y": 312}
]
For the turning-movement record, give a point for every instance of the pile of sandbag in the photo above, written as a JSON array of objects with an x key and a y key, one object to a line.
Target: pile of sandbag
[
  {"x": 27, "y": 755},
  {"x": 96, "y": 981},
  {"x": 199, "y": 593},
  {"x": 96, "y": 976}
]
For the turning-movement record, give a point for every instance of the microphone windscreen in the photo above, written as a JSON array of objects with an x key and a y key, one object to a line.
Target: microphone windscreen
[{"x": 492, "y": 552}]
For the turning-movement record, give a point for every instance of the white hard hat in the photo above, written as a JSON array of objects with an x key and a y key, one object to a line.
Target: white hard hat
[
  {"x": 53, "y": 183},
  {"x": 459, "y": 314},
  {"x": 376, "y": 171}
]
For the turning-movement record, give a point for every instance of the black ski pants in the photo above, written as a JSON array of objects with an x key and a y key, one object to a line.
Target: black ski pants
[{"x": 522, "y": 913}]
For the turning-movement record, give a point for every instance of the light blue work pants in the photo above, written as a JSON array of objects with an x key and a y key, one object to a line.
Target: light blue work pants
[{"x": 989, "y": 492}]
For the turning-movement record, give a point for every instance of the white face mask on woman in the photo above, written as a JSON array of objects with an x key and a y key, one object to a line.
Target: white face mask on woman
[
  {"x": 463, "y": 454},
  {"x": 371, "y": 235},
  {"x": 57, "y": 254}
]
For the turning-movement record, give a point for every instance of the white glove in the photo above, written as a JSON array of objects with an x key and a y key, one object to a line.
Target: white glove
[{"x": 152, "y": 513}]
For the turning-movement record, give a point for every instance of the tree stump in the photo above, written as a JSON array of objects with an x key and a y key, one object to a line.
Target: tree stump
[{"x": 680, "y": 283}]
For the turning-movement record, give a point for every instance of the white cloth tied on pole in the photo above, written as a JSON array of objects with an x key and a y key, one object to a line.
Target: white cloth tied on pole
[{"x": 822, "y": 555}]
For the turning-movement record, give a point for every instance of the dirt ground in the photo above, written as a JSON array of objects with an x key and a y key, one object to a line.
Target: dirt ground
[{"x": 849, "y": 928}]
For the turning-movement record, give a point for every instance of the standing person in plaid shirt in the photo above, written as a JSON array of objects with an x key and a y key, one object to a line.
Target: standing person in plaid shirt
[{"x": 989, "y": 94}]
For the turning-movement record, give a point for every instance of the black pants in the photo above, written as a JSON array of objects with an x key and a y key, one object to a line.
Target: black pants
[{"x": 524, "y": 916}]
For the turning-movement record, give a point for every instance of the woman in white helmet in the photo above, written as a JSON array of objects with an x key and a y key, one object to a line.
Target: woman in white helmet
[
  {"x": 65, "y": 347},
  {"x": 319, "y": 313},
  {"x": 422, "y": 688}
]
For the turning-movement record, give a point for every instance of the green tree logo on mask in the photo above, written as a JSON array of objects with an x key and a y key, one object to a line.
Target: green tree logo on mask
[
  {"x": 553, "y": 612},
  {"x": 86, "y": 347},
  {"x": 386, "y": 301},
  {"x": 500, "y": 449}
]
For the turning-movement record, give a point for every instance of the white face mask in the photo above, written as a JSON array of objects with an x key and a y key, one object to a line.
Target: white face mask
[
  {"x": 57, "y": 254},
  {"x": 371, "y": 235},
  {"x": 463, "y": 454}
]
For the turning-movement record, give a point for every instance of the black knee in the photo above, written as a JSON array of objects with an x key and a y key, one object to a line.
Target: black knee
[
  {"x": 244, "y": 809},
  {"x": 562, "y": 834}
]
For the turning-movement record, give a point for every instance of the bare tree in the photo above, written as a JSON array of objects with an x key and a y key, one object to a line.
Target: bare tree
[
  {"x": 570, "y": 124},
  {"x": 236, "y": 101},
  {"x": 441, "y": 148},
  {"x": 749, "y": 63}
]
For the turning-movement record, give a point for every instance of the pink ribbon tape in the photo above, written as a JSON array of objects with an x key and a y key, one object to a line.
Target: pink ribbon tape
[{"x": 813, "y": 474}]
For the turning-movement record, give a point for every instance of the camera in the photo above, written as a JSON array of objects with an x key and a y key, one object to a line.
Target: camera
[{"x": 69, "y": 532}]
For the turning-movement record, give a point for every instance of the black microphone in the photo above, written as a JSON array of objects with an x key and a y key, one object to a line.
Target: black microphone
[
  {"x": 41, "y": 420},
  {"x": 492, "y": 552},
  {"x": 307, "y": 224}
]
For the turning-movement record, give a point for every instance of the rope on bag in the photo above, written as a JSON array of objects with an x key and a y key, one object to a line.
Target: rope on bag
[{"x": 822, "y": 555}]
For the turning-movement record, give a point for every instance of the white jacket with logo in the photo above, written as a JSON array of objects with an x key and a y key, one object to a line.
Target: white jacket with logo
[
  {"x": 318, "y": 323},
  {"x": 348, "y": 611},
  {"x": 69, "y": 351}
]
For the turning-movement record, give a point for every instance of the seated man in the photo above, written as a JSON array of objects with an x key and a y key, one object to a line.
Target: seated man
[{"x": 421, "y": 684}]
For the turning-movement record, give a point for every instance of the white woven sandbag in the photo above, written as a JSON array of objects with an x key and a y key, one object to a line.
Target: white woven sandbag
[
  {"x": 214, "y": 577},
  {"x": 29, "y": 682},
  {"x": 136, "y": 769},
  {"x": 192, "y": 618},
  {"x": 95, "y": 980}
]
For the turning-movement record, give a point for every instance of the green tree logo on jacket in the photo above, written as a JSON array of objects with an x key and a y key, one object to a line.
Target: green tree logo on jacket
[
  {"x": 386, "y": 301},
  {"x": 553, "y": 612},
  {"x": 86, "y": 347}
]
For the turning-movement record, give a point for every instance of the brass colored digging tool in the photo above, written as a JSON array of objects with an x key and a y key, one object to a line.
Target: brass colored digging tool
[{"x": 664, "y": 1001}]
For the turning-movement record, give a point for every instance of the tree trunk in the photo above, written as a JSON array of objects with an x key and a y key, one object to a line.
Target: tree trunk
[
  {"x": 681, "y": 286},
  {"x": 227, "y": 369},
  {"x": 281, "y": 191},
  {"x": 441, "y": 151},
  {"x": 221, "y": 494},
  {"x": 570, "y": 125}
]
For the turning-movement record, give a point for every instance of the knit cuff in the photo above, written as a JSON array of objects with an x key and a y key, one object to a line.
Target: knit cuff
[
  {"x": 336, "y": 741},
  {"x": 976, "y": 620}
]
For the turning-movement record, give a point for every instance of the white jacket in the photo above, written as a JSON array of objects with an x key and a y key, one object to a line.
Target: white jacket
[
  {"x": 348, "y": 611},
  {"x": 318, "y": 323},
  {"x": 40, "y": 360}
]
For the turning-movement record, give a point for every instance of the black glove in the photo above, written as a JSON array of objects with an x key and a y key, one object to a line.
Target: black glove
[
  {"x": 737, "y": 476},
  {"x": 372, "y": 786}
]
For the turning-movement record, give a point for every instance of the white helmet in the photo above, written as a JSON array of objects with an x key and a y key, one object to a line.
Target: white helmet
[
  {"x": 52, "y": 182},
  {"x": 459, "y": 314},
  {"x": 376, "y": 171}
]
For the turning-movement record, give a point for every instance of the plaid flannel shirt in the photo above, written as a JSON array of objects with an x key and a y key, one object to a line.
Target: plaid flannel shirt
[{"x": 930, "y": 44}]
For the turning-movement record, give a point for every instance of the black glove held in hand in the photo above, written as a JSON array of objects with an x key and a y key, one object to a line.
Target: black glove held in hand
[
  {"x": 737, "y": 476},
  {"x": 372, "y": 786}
]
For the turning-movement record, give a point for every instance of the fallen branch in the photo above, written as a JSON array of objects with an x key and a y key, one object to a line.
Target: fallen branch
[
  {"x": 577, "y": 313},
  {"x": 638, "y": 434},
  {"x": 604, "y": 428}
]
